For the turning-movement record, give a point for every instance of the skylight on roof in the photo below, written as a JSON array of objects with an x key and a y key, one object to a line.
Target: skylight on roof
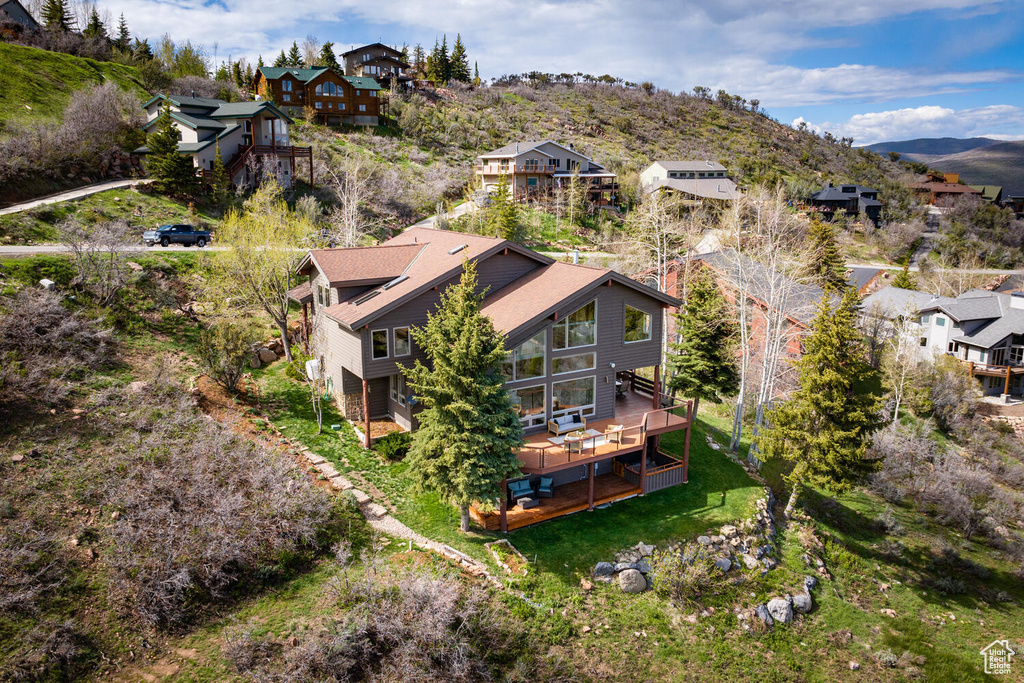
[
  {"x": 456, "y": 250},
  {"x": 397, "y": 280},
  {"x": 366, "y": 297}
]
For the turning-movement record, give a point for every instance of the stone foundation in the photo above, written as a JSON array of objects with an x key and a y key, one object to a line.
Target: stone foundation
[{"x": 351, "y": 406}]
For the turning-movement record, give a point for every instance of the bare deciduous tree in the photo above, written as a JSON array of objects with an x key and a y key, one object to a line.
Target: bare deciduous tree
[
  {"x": 101, "y": 254},
  {"x": 353, "y": 184}
]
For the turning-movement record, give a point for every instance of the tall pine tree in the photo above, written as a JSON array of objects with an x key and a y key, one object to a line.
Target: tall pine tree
[
  {"x": 56, "y": 16},
  {"x": 469, "y": 433},
  {"x": 419, "y": 60},
  {"x": 904, "y": 280},
  {"x": 172, "y": 173},
  {"x": 458, "y": 64},
  {"x": 826, "y": 266},
  {"x": 294, "y": 55},
  {"x": 220, "y": 183},
  {"x": 95, "y": 28},
  {"x": 124, "y": 36},
  {"x": 503, "y": 215},
  {"x": 824, "y": 427},
  {"x": 702, "y": 364},
  {"x": 438, "y": 66},
  {"x": 282, "y": 60},
  {"x": 327, "y": 57}
]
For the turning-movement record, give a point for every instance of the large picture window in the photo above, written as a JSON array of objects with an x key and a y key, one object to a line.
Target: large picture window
[
  {"x": 529, "y": 404},
  {"x": 572, "y": 396},
  {"x": 379, "y": 341},
  {"x": 527, "y": 360},
  {"x": 573, "y": 363},
  {"x": 579, "y": 328},
  {"x": 638, "y": 325},
  {"x": 402, "y": 347}
]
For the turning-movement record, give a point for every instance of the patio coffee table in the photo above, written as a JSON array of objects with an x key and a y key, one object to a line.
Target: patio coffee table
[{"x": 527, "y": 503}]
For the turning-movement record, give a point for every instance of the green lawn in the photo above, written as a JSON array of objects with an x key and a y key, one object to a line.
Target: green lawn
[{"x": 138, "y": 209}]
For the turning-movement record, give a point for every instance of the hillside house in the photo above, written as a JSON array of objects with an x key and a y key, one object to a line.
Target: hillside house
[
  {"x": 855, "y": 200},
  {"x": 982, "y": 329},
  {"x": 245, "y": 134},
  {"x": 577, "y": 335},
  {"x": 379, "y": 62},
  {"x": 536, "y": 169},
  {"x": 334, "y": 99},
  {"x": 12, "y": 11},
  {"x": 944, "y": 189},
  {"x": 698, "y": 181}
]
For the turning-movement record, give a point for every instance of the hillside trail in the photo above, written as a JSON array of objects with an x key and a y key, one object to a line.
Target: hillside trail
[{"x": 76, "y": 193}]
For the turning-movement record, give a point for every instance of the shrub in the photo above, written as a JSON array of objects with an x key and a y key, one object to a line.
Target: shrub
[
  {"x": 685, "y": 574},
  {"x": 393, "y": 447},
  {"x": 28, "y": 568},
  {"x": 949, "y": 585},
  {"x": 224, "y": 352},
  {"x": 52, "y": 651},
  {"x": 203, "y": 511}
]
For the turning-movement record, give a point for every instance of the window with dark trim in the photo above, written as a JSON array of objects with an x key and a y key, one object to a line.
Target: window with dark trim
[
  {"x": 402, "y": 344},
  {"x": 579, "y": 328}
]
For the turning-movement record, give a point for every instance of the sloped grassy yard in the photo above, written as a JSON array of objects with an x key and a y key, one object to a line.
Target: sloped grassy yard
[{"x": 719, "y": 492}]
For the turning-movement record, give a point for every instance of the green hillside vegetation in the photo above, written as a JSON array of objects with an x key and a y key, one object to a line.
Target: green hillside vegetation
[{"x": 37, "y": 84}]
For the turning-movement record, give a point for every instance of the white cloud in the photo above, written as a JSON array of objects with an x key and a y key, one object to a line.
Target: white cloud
[
  {"x": 736, "y": 45},
  {"x": 1001, "y": 121}
]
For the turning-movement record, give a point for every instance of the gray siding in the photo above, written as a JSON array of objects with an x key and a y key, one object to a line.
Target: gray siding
[{"x": 378, "y": 397}]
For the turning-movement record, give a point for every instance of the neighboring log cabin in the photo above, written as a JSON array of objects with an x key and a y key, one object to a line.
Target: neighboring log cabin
[{"x": 333, "y": 98}]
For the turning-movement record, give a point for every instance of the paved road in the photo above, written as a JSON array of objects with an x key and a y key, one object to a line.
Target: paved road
[
  {"x": 77, "y": 193},
  {"x": 460, "y": 210},
  {"x": 931, "y": 231},
  {"x": 32, "y": 249}
]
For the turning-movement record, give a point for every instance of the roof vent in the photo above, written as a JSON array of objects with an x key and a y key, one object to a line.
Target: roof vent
[
  {"x": 366, "y": 297},
  {"x": 398, "y": 280},
  {"x": 456, "y": 250}
]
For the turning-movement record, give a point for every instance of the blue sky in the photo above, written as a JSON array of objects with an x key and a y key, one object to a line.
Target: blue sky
[{"x": 871, "y": 69}]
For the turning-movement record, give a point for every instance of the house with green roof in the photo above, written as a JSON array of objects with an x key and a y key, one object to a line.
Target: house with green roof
[
  {"x": 320, "y": 92},
  {"x": 250, "y": 137}
]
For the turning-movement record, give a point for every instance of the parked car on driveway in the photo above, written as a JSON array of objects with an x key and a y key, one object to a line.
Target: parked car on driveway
[{"x": 166, "y": 235}]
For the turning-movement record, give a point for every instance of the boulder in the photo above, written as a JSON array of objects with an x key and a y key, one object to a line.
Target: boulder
[
  {"x": 642, "y": 566},
  {"x": 254, "y": 361},
  {"x": 603, "y": 569},
  {"x": 749, "y": 561},
  {"x": 644, "y": 549},
  {"x": 622, "y": 566},
  {"x": 781, "y": 610},
  {"x": 704, "y": 540},
  {"x": 729, "y": 531},
  {"x": 632, "y": 581},
  {"x": 762, "y": 613},
  {"x": 803, "y": 603},
  {"x": 267, "y": 356},
  {"x": 723, "y": 563},
  {"x": 809, "y": 583}
]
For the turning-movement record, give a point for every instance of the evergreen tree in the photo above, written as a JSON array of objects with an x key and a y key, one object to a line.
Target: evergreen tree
[
  {"x": 237, "y": 75},
  {"x": 458, "y": 64},
  {"x": 220, "y": 183},
  {"x": 282, "y": 60},
  {"x": 438, "y": 66},
  {"x": 503, "y": 214},
  {"x": 124, "y": 36},
  {"x": 904, "y": 280},
  {"x": 172, "y": 173},
  {"x": 827, "y": 266},
  {"x": 476, "y": 74},
  {"x": 405, "y": 54},
  {"x": 249, "y": 75},
  {"x": 142, "y": 50},
  {"x": 294, "y": 56},
  {"x": 327, "y": 57},
  {"x": 419, "y": 59},
  {"x": 223, "y": 73},
  {"x": 702, "y": 364},
  {"x": 259, "y": 61},
  {"x": 95, "y": 28},
  {"x": 469, "y": 433},
  {"x": 824, "y": 427},
  {"x": 56, "y": 16}
]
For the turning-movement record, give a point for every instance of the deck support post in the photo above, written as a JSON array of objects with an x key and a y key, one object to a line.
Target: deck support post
[
  {"x": 366, "y": 412},
  {"x": 590, "y": 487},
  {"x": 970, "y": 368},
  {"x": 643, "y": 467},
  {"x": 1006, "y": 388},
  {"x": 656, "y": 402},
  {"x": 503, "y": 509}
]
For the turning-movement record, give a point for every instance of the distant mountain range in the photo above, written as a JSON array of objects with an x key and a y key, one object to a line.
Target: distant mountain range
[{"x": 979, "y": 161}]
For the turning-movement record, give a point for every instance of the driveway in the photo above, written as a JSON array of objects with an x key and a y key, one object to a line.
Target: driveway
[
  {"x": 77, "y": 193},
  {"x": 460, "y": 210}
]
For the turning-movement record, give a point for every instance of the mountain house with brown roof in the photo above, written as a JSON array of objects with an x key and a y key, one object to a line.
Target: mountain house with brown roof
[
  {"x": 576, "y": 334},
  {"x": 377, "y": 61}
]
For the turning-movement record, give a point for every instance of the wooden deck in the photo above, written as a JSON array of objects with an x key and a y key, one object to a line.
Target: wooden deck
[
  {"x": 540, "y": 456},
  {"x": 567, "y": 499}
]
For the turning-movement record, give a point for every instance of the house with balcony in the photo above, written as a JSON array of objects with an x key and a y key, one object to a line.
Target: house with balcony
[
  {"x": 855, "y": 200},
  {"x": 379, "y": 62},
  {"x": 698, "y": 182},
  {"x": 536, "y": 169},
  {"x": 335, "y": 99},
  {"x": 244, "y": 134},
  {"x": 582, "y": 372}
]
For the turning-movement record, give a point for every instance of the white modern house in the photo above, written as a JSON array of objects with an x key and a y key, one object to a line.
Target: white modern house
[{"x": 696, "y": 180}]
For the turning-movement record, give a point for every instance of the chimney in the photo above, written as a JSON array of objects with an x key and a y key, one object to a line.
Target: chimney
[
  {"x": 572, "y": 146},
  {"x": 193, "y": 93}
]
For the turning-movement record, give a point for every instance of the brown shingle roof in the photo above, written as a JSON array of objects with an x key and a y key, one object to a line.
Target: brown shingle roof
[
  {"x": 302, "y": 294},
  {"x": 537, "y": 292},
  {"x": 432, "y": 265},
  {"x": 365, "y": 264}
]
